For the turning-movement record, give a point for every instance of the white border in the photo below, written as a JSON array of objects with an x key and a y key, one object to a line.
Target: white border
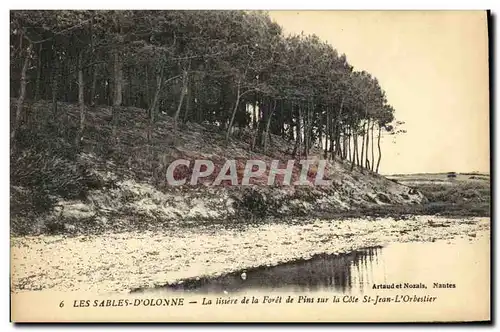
[{"x": 191, "y": 4}]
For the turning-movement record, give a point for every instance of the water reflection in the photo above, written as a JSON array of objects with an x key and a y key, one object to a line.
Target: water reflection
[
  {"x": 332, "y": 272},
  {"x": 463, "y": 260}
]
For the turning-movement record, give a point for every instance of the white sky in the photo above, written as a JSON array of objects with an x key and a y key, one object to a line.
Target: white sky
[{"x": 434, "y": 69}]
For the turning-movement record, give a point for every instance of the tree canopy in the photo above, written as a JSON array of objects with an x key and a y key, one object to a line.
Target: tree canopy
[{"x": 233, "y": 69}]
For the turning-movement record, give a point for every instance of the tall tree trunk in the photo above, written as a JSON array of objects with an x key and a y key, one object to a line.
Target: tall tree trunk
[
  {"x": 68, "y": 88},
  {"x": 291, "y": 124},
  {"x": 267, "y": 125},
  {"x": 379, "y": 150},
  {"x": 94, "y": 84},
  {"x": 154, "y": 103},
  {"x": 55, "y": 83},
  {"x": 301, "y": 130},
  {"x": 373, "y": 154},
  {"x": 344, "y": 143},
  {"x": 335, "y": 128},
  {"x": 22, "y": 92},
  {"x": 148, "y": 97},
  {"x": 310, "y": 122},
  {"x": 363, "y": 146},
  {"x": 355, "y": 158},
  {"x": 255, "y": 113},
  {"x": 235, "y": 109},
  {"x": 260, "y": 134},
  {"x": 117, "y": 95},
  {"x": 38, "y": 73},
  {"x": 338, "y": 149},
  {"x": 298, "y": 134},
  {"x": 55, "y": 79},
  {"x": 181, "y": 98},
  {"x": 358, "y": 161},
  {"x": 306, "y": 130},
  {"x": 320, "y": 136},
  {"x": 349, "y": 155},
  {"x": 81, "y": 100},
  {"x": 367, "y": 144},
  {"x": 197, "y": 103},
  {"x": 282, "y": 119},
  {"x": 94, "y": 66},
  {"x": 332, "y": 137},
  {"x": 188, "y": 100},
  {"x": 327, "y": 133}
]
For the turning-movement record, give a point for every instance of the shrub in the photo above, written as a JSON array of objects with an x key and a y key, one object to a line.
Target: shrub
[
  {"x": 50, "y": 139},
  {"x": 51, "y": 174},
  {"x": 45, "y": 176},
  {"x": 252, "y": 204}
]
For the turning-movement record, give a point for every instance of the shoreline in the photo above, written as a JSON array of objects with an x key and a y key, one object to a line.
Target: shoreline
[{"x": 121, "y": 262}]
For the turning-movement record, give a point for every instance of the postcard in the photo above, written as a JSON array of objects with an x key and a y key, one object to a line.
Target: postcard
[{"x": 249, "y": 166}]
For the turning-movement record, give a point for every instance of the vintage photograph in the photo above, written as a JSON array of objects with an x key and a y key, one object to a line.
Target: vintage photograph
[{"x": 249, "y": 166}]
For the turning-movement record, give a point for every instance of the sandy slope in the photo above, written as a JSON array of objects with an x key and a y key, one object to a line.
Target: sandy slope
[
  {"x": 132, "y": 171},
  {"x": 122, "y": 261}
]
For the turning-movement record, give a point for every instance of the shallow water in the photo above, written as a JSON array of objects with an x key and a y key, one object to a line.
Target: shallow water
[{"x": 461, "y": 260}]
